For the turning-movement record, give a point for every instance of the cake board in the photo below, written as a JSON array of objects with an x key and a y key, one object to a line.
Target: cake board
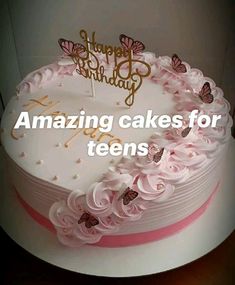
[{"x": 202, "y": 236}]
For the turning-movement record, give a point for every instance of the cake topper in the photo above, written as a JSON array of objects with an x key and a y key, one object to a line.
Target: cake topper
[
  {"x": 177, "y": 64},
  {"x": 125, "y": 73},
  {"x": 70, "y": 48},
  {"x": 128, "y": 195},
  {"x": 185, "y": 132},
  {"x": 155, "y": 153},
  {"x": 205, "y": 93},
  {"x": 129, "y": 44},
  {"x": 89, "y": 220}
]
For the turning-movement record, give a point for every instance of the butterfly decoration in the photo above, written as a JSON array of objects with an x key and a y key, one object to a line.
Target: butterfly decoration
[
  {"x": 129, "y": 44},
  {"x": 128, "y": 195},
  {"x": 185, "y": 132},
  {"x": 205, "y": 94},
  {"x": 89, "y": 220},
  {"x": 177, "y": 64},
  {"x": 155, "y": 153},
  {"x": 70, "y": 48}
]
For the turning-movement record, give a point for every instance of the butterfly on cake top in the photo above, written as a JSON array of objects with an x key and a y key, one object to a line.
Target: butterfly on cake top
[
  {"x": 130, "y": 44},
  {"x": 70, "y": 48}
]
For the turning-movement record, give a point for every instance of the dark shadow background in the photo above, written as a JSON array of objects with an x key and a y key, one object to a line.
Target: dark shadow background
[{"x": 21, "y": 268}]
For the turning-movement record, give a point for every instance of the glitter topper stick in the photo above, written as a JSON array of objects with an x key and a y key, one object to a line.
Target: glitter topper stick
[
  {"x": 129, "y": 100},
  {"x": 91, "y": 79}
]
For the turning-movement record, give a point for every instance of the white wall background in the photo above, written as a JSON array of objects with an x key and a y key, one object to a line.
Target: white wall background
[{"x": 200, "y": 31}]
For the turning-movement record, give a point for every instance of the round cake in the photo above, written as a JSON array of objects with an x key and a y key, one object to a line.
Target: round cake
[{"x": 115, "y": 201}]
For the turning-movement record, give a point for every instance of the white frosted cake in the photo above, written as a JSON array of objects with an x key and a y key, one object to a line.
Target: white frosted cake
[{"x": 114, "y": 201}]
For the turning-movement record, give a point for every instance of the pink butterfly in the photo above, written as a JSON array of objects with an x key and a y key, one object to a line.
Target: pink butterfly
[
  {"x": 205, "y": 93},
  {"x": 129, "y": 43},
  {"x": 155, "y": 153},
  {"x": 128, "y": 195},
  {"x": 89, "y": 220},
  {"x": 185, "y": 132},
  {"x": 70, "y": 48},
  {"x": 177, "y": 64}
]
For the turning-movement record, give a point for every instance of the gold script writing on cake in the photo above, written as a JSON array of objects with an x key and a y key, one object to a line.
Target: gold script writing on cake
[{"x": 45, "y": 107}]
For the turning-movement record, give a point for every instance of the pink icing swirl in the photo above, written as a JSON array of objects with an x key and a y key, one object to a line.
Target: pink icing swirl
[
  {"x": 38, "y": 78},
  {"x": 131, "y": 212},
  {"x": 99, "y": 199},
  {"x": 188, "y": 155},
  {"x": 152, "y": 188},
  {"x": 173, "y": 171},
  {"x": 65, "y": 217},
  {"x": 114, "y": 179}
]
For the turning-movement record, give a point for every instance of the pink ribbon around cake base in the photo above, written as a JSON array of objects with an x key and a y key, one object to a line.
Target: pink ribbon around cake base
[{"x": 129, "y": 239}]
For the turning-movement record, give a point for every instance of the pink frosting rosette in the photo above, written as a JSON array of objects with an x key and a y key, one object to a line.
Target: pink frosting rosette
[
  {"x": 195, "y": 93},
  {"x": 147, "y": 166},
  {"x": 147, "y": 57},
  {"x": 220, "y": 106},
  {"x": 194, "y": 78},
  {"x": 152, "y": 188},
  {"x": 118, "y": 182},
  {"x": 65, "y": 217},
  {"x": 221, "y": 134},
  {"x": 26, "y": 86},
  {"x": 188, "y": 155},
  {"x": 99, "y": 199},
  {"x": 114, "y": 179},
  {"x": 38, "y": 78},
  {"x": 133, "y": 210},
  {"x": 198, "y": 137},
  {"x": 171, "y": 80},
  {"x": 171, "y": 170},
  {"x": 158, "y": 139},
  {"x": 206, "y": 144},
  {"x": 109, "y": 224},
  {"x": 164, "y": 63},
  {"x": 144, "y": 164},
  {"x": 183, "y": 134},
  {"x": 127, "y": 166},
  {"x": 187, "y": 102},
  {"x": 68, "y": 69}
]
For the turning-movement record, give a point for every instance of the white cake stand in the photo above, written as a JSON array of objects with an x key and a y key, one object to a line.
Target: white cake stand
[{"x": 199, "y": 238}]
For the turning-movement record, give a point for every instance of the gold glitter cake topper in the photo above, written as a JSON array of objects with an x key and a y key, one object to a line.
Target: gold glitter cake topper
[{"x": 128, "y": 69}]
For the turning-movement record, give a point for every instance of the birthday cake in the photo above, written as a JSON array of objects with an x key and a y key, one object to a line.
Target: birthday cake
[{"x": 124, "y": 198}]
